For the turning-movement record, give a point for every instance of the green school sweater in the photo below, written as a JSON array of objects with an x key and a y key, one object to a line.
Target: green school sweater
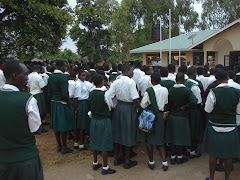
[
  {"x": 99, "y": 108},
  {"x": 17, "y": 143},
  {"x": 167, "y": 84},
  {"x": 58, "y": 87}
]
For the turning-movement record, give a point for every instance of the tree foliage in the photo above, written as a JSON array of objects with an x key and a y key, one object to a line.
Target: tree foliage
[
  {"x": 27, "y": 26},
  {"x": 219, "y": 13}
]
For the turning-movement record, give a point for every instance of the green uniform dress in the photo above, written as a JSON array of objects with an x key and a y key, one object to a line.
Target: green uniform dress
[
  {"x": 62, "y": 117},
  {"x": 41, "y": 102},
  {"x": 101, "y": 126},
  {"x": 177, "y": 128},
  {"x": 83, "y": 120},
  {"x": 156, "y": 137},
  {"x": 19, "y": 156},
  {"x": 195, "y": 117},
  {"x": 223, "y": 144},
  {"x": 167, "y": 84}
]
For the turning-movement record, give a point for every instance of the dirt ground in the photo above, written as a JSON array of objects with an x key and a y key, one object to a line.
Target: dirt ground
[{"x": 78, "y": 165}]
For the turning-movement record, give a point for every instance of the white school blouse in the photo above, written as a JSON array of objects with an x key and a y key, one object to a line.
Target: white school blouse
[
  {"x": 2, "y": 78},
  {"x": 34, "y": 120},
  {"x": 161, "y": 94},
  {"x": 137, "y": 74},
  {"x": 71, "y": 88},
  {"x": 196, "y": 91},
  {"x": 81, "y": 90},
  {"x": 172, "y": 77},
  {"x": 124, "y": 89},
  {"x": 35, "y": 83},
  {"x": 144, "y": 83}
]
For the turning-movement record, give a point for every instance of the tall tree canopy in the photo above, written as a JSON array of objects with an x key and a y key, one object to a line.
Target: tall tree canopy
[
  {"x": 32, "y": 25},
  {"x": 219, "y": 13}
]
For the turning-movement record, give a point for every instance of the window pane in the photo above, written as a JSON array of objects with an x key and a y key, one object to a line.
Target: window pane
[
  {"x": 211, "y": 58},
  {"x": 198, "y": 58},
  {"x": 151, "y": 58},
  {"x": 175, "y": 58}
]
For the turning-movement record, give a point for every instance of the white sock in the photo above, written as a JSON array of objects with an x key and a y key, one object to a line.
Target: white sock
[
  {"x": 106, "y": 168},
  {"x": 95, "y": 163},
  {"x": 81, "y": 146},
  {"x": 180, "y": 157},
  {"x": 192, "y": 152},
  {"x": 151, "y": 163},
  {"x": 75, "y": 144},
  {"x": 173, "y": 156},
  {"x": 165, "y": 163}
]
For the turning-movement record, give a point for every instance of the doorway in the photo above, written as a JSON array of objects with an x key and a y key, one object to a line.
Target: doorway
[{"x": 234, "y": 58}]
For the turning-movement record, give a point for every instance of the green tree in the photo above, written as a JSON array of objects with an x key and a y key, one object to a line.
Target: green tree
[
  {"x": 219, "y": 13},
  {"x": 90, "y": 28},
  {"x": 29, "y": 26}
]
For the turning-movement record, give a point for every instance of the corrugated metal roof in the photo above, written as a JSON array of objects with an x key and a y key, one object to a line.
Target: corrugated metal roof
[{"x": 186, "y": 42}]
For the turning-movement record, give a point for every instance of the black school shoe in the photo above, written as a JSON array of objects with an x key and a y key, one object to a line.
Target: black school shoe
[
  {"x": 118, "y": 161},
  {"x": 96, "y": 167},
  {"x": 66, "y": 151},
  {"x": 130, "y": 164},
  {"x": 59, "y": 149},
  {"x": 109, "y": 171},
  {"x": 182, "y": 160},
  {"x": 165, "y": 168},
  {"x": 133, "y": 154},
  {"x": 151, "y": 166}
]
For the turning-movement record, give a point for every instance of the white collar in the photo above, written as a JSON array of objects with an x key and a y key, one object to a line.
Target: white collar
[
  {"x": 100, "y": 89},
  {"x": 125, "y": 77},
  {"x": 200, "y": 76},
  {"x": 238, "y": 73},
  {"x": 179, "y": 85},
  {"x": 164, "y": 78},
  {"x": 193, "y": 81},
  {"x": 223, "y": 85},
  {"x": 58, "y": 71},
  {"x": 66, "y": 73},
  {"x": 171, "y": 74},
  {"x": 92, "y": 70},
  {"x": 10, "y": 87},
  {"x": 230, "y": 80},
  {"x": 34, "y": 73},
  {"x": 137, "y": 69},
  {"x": 114, "y": 72}
]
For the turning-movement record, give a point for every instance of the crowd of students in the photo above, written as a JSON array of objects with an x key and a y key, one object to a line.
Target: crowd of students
[{"x": 101, "y": 104}]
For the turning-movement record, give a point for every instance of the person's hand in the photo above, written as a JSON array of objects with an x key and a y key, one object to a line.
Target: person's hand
[
  {"x": 113, "y": 107},
  {"x": 183, "y": 108}
]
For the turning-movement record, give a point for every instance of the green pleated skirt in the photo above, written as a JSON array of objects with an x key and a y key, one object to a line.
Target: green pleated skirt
[
  {"x": 83, "y": 120},
  {"x": 156, "y": 137},
  {"x": 62, "y": 117},
  {"x": 101, "y": 134},
  {"x": 177, "y": 130},
  {"x": 124, "y": 124},
  {"x": 41, "y": 103},
  {"x": 223, "y": 145},
  {"x": 196, "y": 124},
  {"x": 26, "y": 170}
]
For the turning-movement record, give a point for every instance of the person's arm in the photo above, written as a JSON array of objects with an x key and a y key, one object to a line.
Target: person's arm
[
  {"x": 34, "y": 119},
  {"x": 41, "y": 82},
  {"x": 64, "y": 89},
  {"x": 145, "y": 100},
  {"x": 109, "y": 95},
  {"x": 210, "y": 102},
  {"x": 192, "y": 100},
  {"x": 197, "y": 93}
]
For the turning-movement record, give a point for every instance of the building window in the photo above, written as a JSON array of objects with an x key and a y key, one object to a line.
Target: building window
[
  {"x": 198, "y": 58},
  {"x": 151, "y": 58},
  {"x": 175, "y": 58},
  {"x": 211, "y": 58}
]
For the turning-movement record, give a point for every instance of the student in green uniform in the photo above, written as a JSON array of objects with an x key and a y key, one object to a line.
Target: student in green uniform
[
  {"x": 177, "y": 129},
  {"x": 62, "y": 119},
  {"x": 101, "y": 126},
  {"x": 165, "y": 81},
  {"x": 195, "y": 114},
  {"x": 20, "y": 119},
  {"x": 155, "y": 98},
  {"x": 221, "y": 138}
]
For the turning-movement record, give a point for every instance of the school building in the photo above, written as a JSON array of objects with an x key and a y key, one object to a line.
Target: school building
[{"x": 219, "y": 46}]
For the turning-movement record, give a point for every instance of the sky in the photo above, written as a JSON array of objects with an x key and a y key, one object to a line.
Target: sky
[{"x": 69, "y": 44}]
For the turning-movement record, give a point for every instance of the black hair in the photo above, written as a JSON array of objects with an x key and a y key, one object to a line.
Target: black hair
[
  {"x": 60, "y": 63},
  {"x": 81, "y": 71},
  {"x": 111, "y": 77},
  {"x": 171, "y": 68},
  {"x": 120, "y": 67},
  {"x": 73, "y": 74},
  {"x": 220, "y": 66},
  {"x": 106, "y": 66},
  {"x": 206, "y": 66},
  {"x": 97, "y": 80},
  {"x": 164, "y": 72},
  {"x": 1, "y": 62},
  {"x": 226, "y": 68},
  {"x": 191, "y": 71},
  {"x": 52, "y": 69},
  {"x": 221, "y": 75},
  {"x": 35, "y": 68},
  {"x": 146, "y": 69},
  {"x": 156, "y": 77},
  {"x": 156, "y": 70},
  {"x": 10, "y": 67},
  {"x": 180, "y": 77},
  {"x": 105, "y": 78},
  {"x": 183, "y": 69},
  {"x": 212, "y": 71},
  {"x": 237, "y": 68},
  {"x": 101, "y": 72},
  {"x": 88, "y": 76},
  {"x": 125, "y": 68},
  {"x": 200, "y": 71},
  {"x": 231, "y": 74},
  {"x": 92, "y": 65},
  {"x": 114, "y": 67},
  {"x": 137, "y": 64}
]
